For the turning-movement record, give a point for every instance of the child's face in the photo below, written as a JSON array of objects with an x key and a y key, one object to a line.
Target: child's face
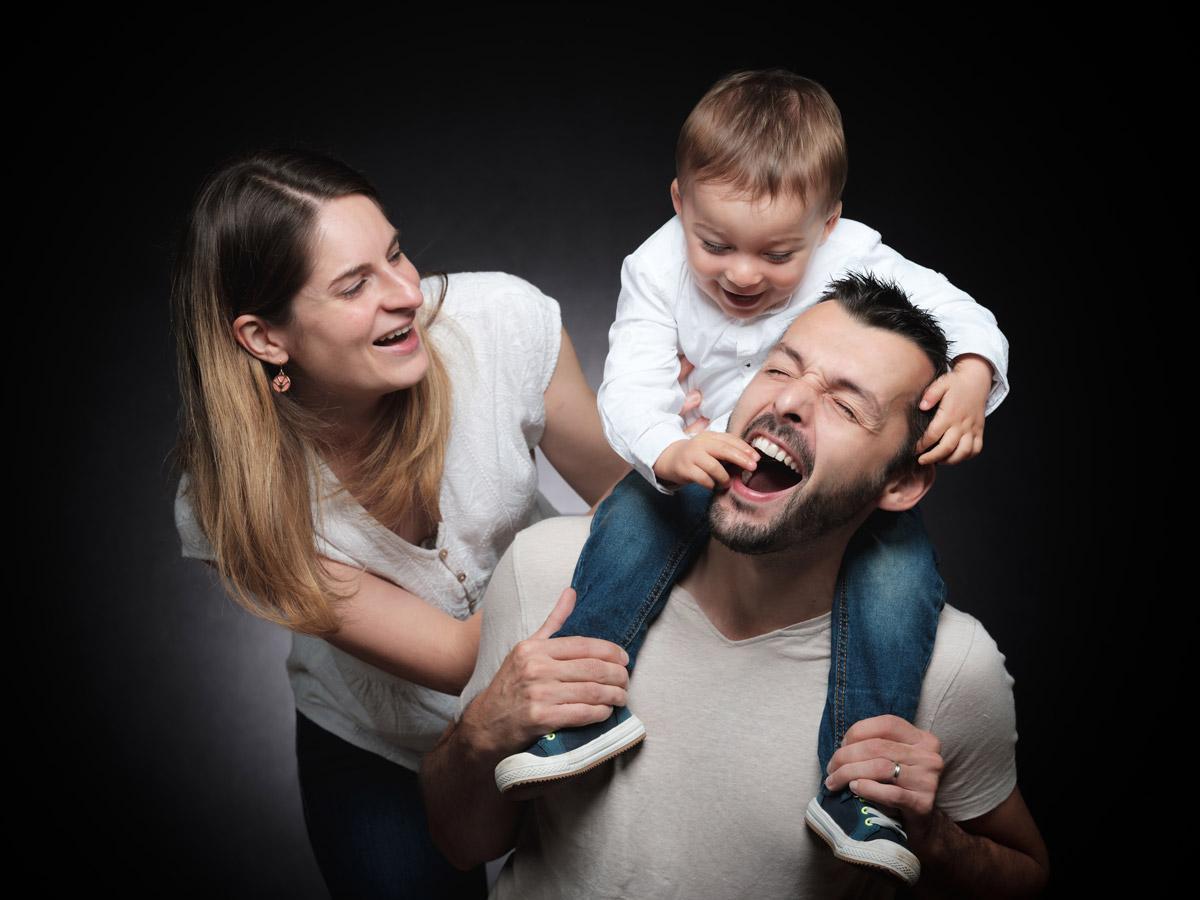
[{"x": 748, "y": 255}]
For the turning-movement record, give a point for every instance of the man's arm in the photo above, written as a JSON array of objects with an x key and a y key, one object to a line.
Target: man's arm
[
  {"x": 541, "y": 685},
  {"x": 998, "y": 854}
]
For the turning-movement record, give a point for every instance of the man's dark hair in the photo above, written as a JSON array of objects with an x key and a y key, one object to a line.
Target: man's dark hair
[{"x": 881, "y": 303}]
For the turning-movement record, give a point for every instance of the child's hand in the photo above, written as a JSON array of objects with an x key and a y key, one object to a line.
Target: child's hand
[
  {"x": 698, "y": 460},
  {"x": 956, "y": 432}
]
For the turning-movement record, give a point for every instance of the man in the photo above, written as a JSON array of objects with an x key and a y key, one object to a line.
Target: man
[{"x": 731, "y": 679}]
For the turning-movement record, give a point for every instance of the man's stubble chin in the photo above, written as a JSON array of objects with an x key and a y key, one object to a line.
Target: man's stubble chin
[{"x": 805, "y": 518}]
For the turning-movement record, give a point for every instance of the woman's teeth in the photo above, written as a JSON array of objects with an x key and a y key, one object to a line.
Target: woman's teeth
[{"x": 395, "y": 337}]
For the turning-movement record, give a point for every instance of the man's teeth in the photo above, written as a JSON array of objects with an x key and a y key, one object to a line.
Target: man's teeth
[{"x": 770, "y": 448}]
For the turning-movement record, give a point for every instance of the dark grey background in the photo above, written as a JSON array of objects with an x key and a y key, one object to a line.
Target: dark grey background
[{"x": 162, "y": 719}]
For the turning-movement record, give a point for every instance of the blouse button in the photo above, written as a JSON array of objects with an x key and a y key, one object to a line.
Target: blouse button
[
  {"x": 462, "y": 576},
  {"x": 443, "y": 553}
]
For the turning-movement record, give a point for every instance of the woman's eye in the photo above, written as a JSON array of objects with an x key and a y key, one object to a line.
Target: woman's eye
[
  {"x": 714, "y": 248},
  {"x": 395, "y": 257},
  {"x": 354, "y": 291}
]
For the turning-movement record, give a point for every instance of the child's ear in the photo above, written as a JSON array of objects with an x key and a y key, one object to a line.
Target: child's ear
[
  {"x": 676, "y": 199},
  {"x": 831, "y": 220}
]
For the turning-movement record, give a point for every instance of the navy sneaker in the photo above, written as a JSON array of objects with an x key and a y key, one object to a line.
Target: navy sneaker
[
  {"x": 858, "y": 833},
  {"x": 570, "y": 751}
]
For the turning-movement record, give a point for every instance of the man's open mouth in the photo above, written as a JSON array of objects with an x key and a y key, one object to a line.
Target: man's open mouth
[{"x": 777, "y": 470}]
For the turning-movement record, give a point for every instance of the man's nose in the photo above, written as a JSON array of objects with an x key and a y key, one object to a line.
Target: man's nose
[{"x": 796, "y": 399}]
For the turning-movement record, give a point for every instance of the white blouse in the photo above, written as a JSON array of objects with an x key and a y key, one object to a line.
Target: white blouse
[{"x": 499, "y": 337}]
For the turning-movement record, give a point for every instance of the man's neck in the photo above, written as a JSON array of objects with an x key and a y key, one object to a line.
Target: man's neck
[{"x": 745, "y": 596}]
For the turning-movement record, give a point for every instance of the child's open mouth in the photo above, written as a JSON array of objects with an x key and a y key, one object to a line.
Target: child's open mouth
[{"x": 743, "y": 301}]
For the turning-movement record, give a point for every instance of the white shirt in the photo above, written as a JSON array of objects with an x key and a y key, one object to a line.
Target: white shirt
[
  {"x": 499, "y": 338},
  {"x": 661, "y": 312}
]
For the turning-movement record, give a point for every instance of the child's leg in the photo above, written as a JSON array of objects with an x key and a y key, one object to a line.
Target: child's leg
[
  {"x": 641, "y": 541},
  {"x": 886, "y": 605},
  {"x": 885, "y": 615}
]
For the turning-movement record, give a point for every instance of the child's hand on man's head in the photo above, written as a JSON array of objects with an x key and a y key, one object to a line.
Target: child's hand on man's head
[
  {"x": 956, "y": 432},
  {"x": 699, "y": 460}
]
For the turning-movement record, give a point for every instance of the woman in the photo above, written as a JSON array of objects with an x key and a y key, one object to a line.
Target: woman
[{"x": 356, "y": 459}]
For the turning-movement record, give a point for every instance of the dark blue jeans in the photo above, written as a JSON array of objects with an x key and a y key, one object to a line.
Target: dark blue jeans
[
  {"x": 366, "y": 823},
  {"x": 885, "y": 605}
]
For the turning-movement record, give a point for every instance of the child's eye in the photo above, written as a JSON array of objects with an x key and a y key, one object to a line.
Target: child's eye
[
  {"x": 778, "y": 257},
  {"x": 714, "y": 248}
]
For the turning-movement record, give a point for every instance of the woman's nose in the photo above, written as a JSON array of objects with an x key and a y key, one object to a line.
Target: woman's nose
[{"x": 404, "y": 288}]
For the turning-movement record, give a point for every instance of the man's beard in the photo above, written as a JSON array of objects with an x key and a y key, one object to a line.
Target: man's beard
[{"x": 806, "y": 517}]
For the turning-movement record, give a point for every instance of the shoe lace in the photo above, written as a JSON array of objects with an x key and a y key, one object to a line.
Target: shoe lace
[{"x": 875, "y": 817}]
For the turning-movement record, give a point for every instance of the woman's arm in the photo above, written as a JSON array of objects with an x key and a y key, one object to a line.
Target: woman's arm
[
  {"x": 574, "y": 440},
  {"x": 395, "y": 630}
]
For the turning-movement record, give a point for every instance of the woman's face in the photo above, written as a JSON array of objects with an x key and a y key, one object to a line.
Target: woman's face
[{"x": 352, "y": 335}]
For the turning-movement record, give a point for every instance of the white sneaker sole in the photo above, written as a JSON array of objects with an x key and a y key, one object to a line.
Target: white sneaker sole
[
  {"x": 529, "y": 768},
  {"x": 879, "y": 854}
]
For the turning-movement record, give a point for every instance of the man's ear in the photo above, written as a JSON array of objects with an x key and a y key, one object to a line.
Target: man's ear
[
  {"x": 260, "y": 339},
  {"x": 676, "y": 197},
  {"x": 905, "y": 491}
]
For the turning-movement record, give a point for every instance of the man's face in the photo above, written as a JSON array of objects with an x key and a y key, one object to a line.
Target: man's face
[
  {"x": 749, "y": 254},
  {"x": 832, "y": 400}
]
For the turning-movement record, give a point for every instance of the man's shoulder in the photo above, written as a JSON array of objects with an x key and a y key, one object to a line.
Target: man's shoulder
[
  {"x": 966, "y": 664},
  {"x": 543, "y": 560},
  {"x": 962, "y": 639},
  {"x": 523, "y": 590}
]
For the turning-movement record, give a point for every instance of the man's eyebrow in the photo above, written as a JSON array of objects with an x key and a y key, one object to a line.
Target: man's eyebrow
[
  {"x": 843, "y": 383},
  {"x": 365, "y": 267}
]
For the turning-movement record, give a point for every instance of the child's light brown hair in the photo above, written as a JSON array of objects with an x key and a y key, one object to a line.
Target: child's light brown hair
[{"x": 765, "y": 133}]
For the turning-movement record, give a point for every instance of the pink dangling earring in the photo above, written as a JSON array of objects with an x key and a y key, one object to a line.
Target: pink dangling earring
[{"x": 281, "y": 382}]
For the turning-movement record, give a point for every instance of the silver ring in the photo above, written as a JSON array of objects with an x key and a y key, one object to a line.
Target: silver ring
[{"x": 895, "y": 771}]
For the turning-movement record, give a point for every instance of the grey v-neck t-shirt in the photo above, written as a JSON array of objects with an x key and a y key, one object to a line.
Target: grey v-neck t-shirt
[{"x": 711, "y": 805}]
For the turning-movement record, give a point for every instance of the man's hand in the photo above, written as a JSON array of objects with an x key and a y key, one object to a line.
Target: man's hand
[
  {"x": 998, "y": 854},
  {"x": 545, "y": 684},
  {"x": 956, "y": 432},
  {"x": 698, "y": 460},
  {"x": 868, "y": 757},
  {"x": 542, "y": 685}
]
